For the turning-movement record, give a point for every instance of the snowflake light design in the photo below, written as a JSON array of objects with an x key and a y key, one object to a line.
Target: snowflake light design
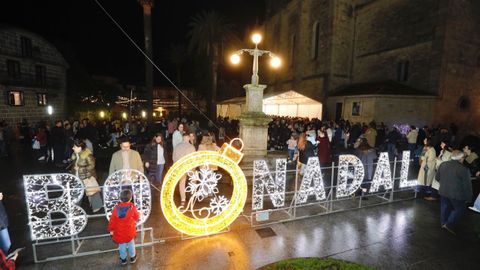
[
  {"x": 262, "y": 179},
  {"x": 133, "y": 180},
  {"x": 218, "y": 204},
  {"x": 223, "y": 212},
  {"x": 40, "y": 207},
  {"x": 203, "y": 183}
]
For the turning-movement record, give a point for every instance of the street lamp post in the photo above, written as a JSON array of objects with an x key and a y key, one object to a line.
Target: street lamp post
[
  {"x": 253, "y": 122},
  {"x": 256, "y": 38}
]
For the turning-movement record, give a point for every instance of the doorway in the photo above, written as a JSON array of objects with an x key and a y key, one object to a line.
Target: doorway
[{"x": 338, "y": 111}]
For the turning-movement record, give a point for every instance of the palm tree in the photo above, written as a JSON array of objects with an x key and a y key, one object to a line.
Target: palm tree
[
  {"x": 208, "y": 32},
  {"x": 177, "y": 55}
]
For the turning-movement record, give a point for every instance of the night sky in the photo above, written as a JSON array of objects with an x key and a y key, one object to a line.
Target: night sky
[{"x": 99, "y": 45}]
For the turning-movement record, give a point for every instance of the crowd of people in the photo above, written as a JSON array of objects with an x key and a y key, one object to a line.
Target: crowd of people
[
  {"x": 429, "y": 148},
  {"x": 150, "y": 148},
  {"x": 71, "y": 145},
  {"x": 52, "y": 141}
]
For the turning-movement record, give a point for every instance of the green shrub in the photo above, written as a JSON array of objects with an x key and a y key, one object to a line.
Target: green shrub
[{"x": 314, "y": 264}]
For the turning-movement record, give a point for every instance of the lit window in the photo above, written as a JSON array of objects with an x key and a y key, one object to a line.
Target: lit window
[
  {"x": 15, "y": 98},
  {"x": 41, "y": 99}
]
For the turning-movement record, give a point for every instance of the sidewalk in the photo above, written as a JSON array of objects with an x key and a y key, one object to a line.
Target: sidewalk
[{"x": 403, "y": 235}]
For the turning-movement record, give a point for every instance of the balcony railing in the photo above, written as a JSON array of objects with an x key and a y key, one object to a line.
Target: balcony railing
[{"x": 29, "y": 80}]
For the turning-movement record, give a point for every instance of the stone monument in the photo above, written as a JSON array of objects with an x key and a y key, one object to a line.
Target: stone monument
[{"x": 254, "y": 123}]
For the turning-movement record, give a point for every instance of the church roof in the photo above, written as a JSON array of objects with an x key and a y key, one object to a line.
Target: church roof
[{"x": 389, "y": 88}]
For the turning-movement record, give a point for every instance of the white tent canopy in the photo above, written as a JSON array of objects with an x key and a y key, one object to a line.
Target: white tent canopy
[{"x": 288, "y": 103}]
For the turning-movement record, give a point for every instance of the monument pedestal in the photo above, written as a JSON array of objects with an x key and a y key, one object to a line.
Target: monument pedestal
[{"x": 254, "y": 124}]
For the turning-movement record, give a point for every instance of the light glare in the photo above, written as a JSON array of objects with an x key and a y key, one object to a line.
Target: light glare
[
  {"x": 235, "y": 59},
  {"x": 276, "y": 62},
  {"x": 256, "y": 38}
]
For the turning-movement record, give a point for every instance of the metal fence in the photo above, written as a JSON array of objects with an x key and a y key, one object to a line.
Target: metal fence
[{"x": 93, "y": 240}]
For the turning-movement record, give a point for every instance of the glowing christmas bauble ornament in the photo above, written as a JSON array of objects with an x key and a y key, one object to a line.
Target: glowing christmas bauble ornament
[{"x": 202, "y": 183}]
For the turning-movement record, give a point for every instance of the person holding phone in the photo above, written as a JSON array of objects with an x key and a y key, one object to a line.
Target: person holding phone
[{"x": 8, "y": 262}]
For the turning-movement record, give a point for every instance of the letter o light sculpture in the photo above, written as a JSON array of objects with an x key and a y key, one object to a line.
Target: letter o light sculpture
[
  {"x": 134, "y": 180},
  {"x": 227, "y": 158}
]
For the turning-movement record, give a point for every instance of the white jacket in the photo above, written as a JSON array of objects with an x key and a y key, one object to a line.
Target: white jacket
[{"x": 412, "y": 136}]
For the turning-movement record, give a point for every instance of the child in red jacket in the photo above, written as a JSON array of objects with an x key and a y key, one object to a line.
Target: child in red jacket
[{"x": 122, "y": 226}]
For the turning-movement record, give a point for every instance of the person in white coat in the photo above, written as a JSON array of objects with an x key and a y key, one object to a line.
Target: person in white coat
[
  {"x": 177, "y": 136},
  {"x": 445, "y": 155},
  {"x": 427, "y": 168}
]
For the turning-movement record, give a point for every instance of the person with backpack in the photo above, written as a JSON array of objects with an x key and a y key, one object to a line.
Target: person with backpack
[{"x": 122, "y": 226}]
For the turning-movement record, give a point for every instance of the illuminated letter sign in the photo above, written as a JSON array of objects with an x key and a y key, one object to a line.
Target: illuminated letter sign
[
  {"x": 404, "y": 171},
  {"x": 262, "y": 179},
  {"x": 382, "y": 176},
  {"x": 58, "y": 194},
  {"x": 344, "y": 173},
  {"x": 313, "y": 172},
  {"x": 131, "y": 179},
  {"x": 42, "y": 202}
]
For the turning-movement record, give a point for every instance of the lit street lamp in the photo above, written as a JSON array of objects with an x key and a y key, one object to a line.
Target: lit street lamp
[
  {"x": 275, "y": 61},
  {"x": 254, "y": 122},
  {"x": 49, "y": 110}
]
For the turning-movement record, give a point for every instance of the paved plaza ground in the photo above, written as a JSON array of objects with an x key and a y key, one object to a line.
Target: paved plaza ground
[{"x": 401, "y": 235}]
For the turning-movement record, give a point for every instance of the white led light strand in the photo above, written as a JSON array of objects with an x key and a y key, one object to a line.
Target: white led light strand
[
  {"x": 404, "y": 182},
  {"x": 262, "y": 179},
  {"x": 201, "y": 185},
  {"x": 38, "y": 192},
  {"x": 344, "y": 173},
  {"x": 383, "y": 175},
  {"x": 313, "y": 172},
  {"x": 131, "y": 179}
]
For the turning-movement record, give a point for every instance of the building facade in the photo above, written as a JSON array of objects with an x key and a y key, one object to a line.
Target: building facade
[
  {"x": 32, "y": 77},
  {"x": 329, "y": 46},
  {"x": 166, "y": 100}
]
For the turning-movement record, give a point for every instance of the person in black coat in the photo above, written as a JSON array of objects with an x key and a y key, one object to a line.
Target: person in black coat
[
  {"x": 4, "y": 235},
  {"x": 393, "y": 137},
  {"x": 58, "y": 140},
  {"x": 154, "y": 156},
  {"x": 355, "y": 132},
  {"x": 455, "y": 190},
  {"x": 306, "y": 150}
]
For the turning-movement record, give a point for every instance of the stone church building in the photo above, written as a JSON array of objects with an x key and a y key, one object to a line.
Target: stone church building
[{"x": 397, "y": 61}]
